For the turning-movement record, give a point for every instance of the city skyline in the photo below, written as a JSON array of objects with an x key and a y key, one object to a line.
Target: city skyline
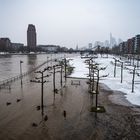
[{"x": 69, "y": 23}]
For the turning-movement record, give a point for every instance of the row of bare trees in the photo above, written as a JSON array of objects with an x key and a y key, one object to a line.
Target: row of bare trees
[
  {"x": 60, "y": 66},
  {"x": 94, "y": 77}
]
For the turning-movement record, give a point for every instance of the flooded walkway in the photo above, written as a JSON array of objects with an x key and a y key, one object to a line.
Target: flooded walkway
[
  {"x": 67, "y": 117},
  {"x": 17, "y": 118}
]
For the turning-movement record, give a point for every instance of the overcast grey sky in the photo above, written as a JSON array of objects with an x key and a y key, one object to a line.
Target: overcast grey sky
[{"x": 69, "y": 22}]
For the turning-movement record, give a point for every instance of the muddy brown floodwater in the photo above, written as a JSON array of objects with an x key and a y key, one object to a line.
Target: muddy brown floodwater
[{"x": 68, "y": 116}]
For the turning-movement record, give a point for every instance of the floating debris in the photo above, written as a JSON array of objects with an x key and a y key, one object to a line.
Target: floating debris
[
  {"x": 64, "y": 113},
  {"x": 38, "y": 107},
  {"x": 8, "y": 103},
  {"x": 34, "y": 125},
  {"x": 56, "y": 91},
  {"x": 18, "y": 100},
  {"x": 45, "y": 118}
]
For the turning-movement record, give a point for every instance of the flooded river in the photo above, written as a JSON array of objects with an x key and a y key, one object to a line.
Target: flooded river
[
  {"x": 10, "y": 64},
  {"x": 20, "y": 117}
]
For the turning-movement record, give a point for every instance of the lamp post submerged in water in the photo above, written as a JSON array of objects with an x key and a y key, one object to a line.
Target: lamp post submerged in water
[{"x": 21, "y": 71}]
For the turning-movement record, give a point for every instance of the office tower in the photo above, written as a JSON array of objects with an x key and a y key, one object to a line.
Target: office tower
[
  {"x": 77, "y": 47},
  {"x": 31, "y": 37},
  {"x": 90, "y": 45},
  {"x": 120, "y": 41},
  {"x": 106, "y": 43},
  {"x": 112, "y": 41}
]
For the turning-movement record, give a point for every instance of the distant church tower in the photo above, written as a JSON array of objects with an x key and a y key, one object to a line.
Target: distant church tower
[{"x": 31, "y": 37}]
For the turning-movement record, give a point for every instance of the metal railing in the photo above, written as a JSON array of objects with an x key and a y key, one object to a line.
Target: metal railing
[{"x": 12, "y": 79}]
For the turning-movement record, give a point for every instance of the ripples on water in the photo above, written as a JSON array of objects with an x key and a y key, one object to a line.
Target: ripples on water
[{"x": 10, "y": 64}]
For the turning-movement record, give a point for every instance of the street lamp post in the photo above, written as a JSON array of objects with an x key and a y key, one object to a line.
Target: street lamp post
[
  {"x": 47, "y": 61},
  {"x": 61, "y": 72},
  {"x": 133, "y": 79},
  {"x": 97, "y": 89},
  {"x": 21, "y": 71},
  {"x": 121, "y": 72},
  {"x": 115, "y": 68},
  {"x": 121, "y": 62},
  {"x": 51, "y": 60}
]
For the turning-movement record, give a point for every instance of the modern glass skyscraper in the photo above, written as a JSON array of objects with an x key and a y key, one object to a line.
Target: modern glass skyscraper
[{"x": 31, "y": 37}]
